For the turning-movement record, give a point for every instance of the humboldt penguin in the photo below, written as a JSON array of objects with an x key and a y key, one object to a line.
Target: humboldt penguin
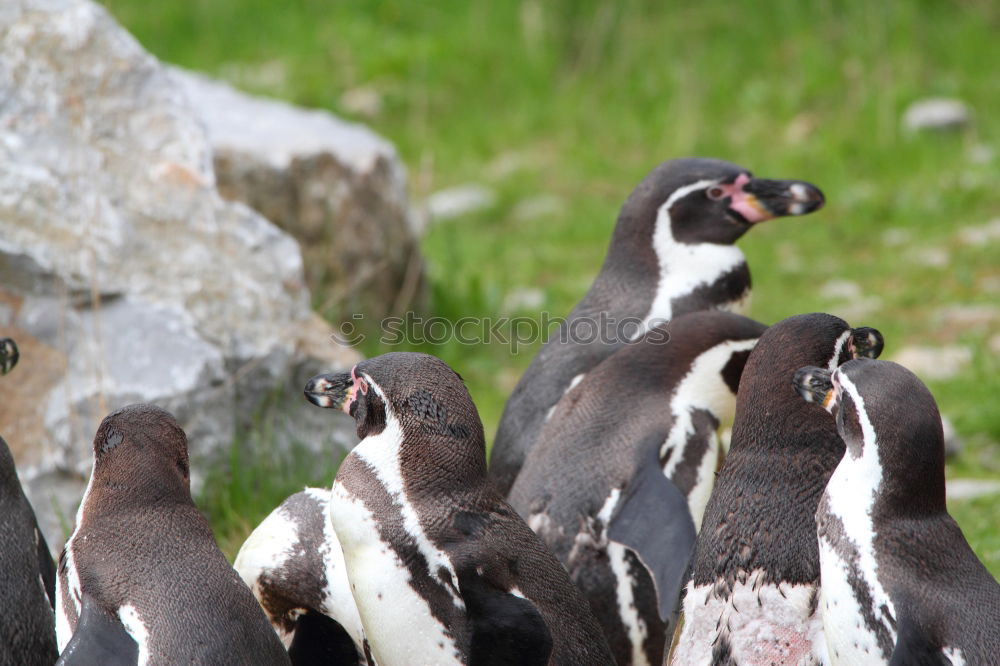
[
  {"x": 900, "y": 583},
  {"x": 294, "y": 565},
  {"x": 671, "y": 252},
  {"x": 141, "y": 579},
  {"x": 620, "y": 475},
  {"x": 27, "y": 573},
  {"x": 755, "y": 571},
  {"x": 442, "y": 569}
]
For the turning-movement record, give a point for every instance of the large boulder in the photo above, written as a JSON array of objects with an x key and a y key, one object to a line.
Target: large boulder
[
  {"x": 336, "y": 186},
  {"x": 124, "y": 275}
]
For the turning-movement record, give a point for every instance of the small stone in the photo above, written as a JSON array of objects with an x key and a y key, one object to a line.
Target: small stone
[
  {"x": 527, "y": 298},
  {"x": 459, "y": 200},
  {"x": 994, "y": 344},
  {"x": 981, "y": 154},
  {"x": 362, "y": 101},
  {"x": 966, "y": 489},
  {"x": 543, "y": 205},
  {"x": 965, "y": 317},
  {"x": 982, "y": 234},
  {"x": 932, "y": 257},
  {"x": 952, "y": 442},
  {"x": 936, "y": 113},
  {"x": 934, "y": 362},
  {"x": 896, "y": 236},
  {"x": 840, "y": 289}
]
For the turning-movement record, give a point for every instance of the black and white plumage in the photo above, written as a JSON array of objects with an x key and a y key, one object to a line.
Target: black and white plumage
[
  {"x": 443, "y": 570},
  {"x": 900, "y": 583},
  {"x": 620, "y": 475},
  {"x": 27, "y": 573},
  {"x": 671, "y": 252},
  {"x": 753, "y": 595},
  {"x": 294, "y": 564},
  {"x": 141, "y": 579}
]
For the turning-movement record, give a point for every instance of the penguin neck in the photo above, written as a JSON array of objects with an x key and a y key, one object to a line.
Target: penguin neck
[
  {"x": 689, "y": 276},
  {"x": 113, "y": 488},
  {"x": 432, "y": 464}
]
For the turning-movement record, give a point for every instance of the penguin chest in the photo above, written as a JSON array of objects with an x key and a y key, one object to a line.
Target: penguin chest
[
  {"x": 755, "y": 623},
  {"x": 405, "y": 618},
  {"x": 68, "y": 597},
  {"x": 858, "y": 616}
]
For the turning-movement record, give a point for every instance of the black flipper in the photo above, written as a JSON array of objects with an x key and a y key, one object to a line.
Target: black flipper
[
  {"x": 652, "y": 519},
  {"x": 914, "y": 647},
  {"x": 321, "y": 640},
  {"x": 47, "y": 567},
  {"x": 100, "y": 638},
  {"x": 506, "y": 629}
]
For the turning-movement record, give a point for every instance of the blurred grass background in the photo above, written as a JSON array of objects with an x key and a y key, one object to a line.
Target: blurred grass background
[{"x": 561, "y": 107}]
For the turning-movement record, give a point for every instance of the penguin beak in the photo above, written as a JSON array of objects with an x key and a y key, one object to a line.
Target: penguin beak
[
  {"x": 762, "y": 199},
  {"x": 866, "y": 342},
  {"x": 332, "y": 391},
  {"x": 815, "y": 385},
  {"x": 8, "y": 355}
]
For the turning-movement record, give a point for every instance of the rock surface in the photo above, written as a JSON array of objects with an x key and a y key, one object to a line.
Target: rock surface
[
  {"x": 337, "y": 187},
  {"x": 124, "y": 275}
]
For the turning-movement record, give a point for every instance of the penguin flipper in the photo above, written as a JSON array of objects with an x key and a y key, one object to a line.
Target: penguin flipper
[
  {"x": 652, "y": 519},
  {"x": 321, "y": 640},
  {"x": 46, "y": 567},
  {"x": 506, "y": 628},
  {"x": 100, "y": 638},
  {"x": 914, "y": 647}
]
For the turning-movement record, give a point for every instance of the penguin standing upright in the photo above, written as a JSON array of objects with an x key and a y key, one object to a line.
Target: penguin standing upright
[
  {"x": 141, "y": 578},
  {"x": 622, "y": 471},
  {"x": 27, "y": 573},
  {"x": 295, "y": 567},
  {"x": 900, "y": 583},
  {"x": 755, "y": 570},
  {"x": 443, "y": 570},
  {"x": 671, "y": 252}
]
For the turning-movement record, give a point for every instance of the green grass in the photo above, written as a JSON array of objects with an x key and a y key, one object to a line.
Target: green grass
[{"x": 578, "y": 100}]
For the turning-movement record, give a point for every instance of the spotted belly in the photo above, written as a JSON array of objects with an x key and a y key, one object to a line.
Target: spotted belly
[{"x": 757, "y": 623}]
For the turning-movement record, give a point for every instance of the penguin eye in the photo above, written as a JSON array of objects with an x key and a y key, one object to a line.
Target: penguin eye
[
  {"x": 715, "y": 193},
  {"x": 363, "y": 385}
]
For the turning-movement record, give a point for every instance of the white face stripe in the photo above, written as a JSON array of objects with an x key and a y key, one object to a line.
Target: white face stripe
[
  {"x": 703, "y": 387},
  {"x": 684, "y": 266},
  {"x": 381, "y": 452},
  {"x": 137, "y": 629},
  {"x": 831, "y": 365}
]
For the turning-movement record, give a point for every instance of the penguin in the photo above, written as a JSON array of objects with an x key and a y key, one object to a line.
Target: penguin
[
  {"x": 27, "y": 572},
  {"x": 900, "y": 583},
  {"x": 294, "y": 565},
  {"x": 442, "y": 569},
  {"x": 141, "y": 579},
  {"x": 619, "y": 477},
  {"x": 754, "y": 586},
  {"x": 671, "y": 252}
]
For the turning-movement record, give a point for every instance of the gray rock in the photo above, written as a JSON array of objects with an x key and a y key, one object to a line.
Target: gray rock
[
  {"x": 930, "y": 363},
  {"x": 966, "y": 489},
  {"x": 125, "y": 275},
  {"x": 336, "y": 186},
  {"x": 936, "y": 113}
]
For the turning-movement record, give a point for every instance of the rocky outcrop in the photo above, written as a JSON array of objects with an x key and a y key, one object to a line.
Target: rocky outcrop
[
  {"x": 124, "y": 275},
  {"x": 335, "y": 186}
]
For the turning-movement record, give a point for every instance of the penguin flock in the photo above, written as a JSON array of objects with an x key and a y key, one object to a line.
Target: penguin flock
[{"x": 611, "y": 525}]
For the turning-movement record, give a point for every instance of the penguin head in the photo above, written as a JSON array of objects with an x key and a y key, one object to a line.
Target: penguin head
[
  {"x": 8, "y": 355},
  {"x": 696, "y": 200},
  {"x": 418, "y": 391},
  {"x": 887, "y": 417},
  {"x": 815, "y": 339},
  {"x": 142, "y": 446}
]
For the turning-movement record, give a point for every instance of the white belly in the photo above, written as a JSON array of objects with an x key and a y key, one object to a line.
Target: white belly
[
  {"x": 848, "y": 639},
  {"x": 397, "y": 621}
]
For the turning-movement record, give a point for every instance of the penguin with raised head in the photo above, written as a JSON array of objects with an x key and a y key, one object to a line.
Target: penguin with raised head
[
  {"x": 620, "y": 475},
  {"x": 27, "y": 573},
  {"x": 900, "y": 583},
  {"x": 141, "y": 579},
  {"x": 755, "y": 571},
  {"x": 671, "y": 252},
  {"x": 442, "y": 569},
  {"x": 295, "y": 567}
]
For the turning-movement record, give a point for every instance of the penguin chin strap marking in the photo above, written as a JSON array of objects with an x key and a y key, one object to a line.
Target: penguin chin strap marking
[{"x": 746, "y": 204}]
